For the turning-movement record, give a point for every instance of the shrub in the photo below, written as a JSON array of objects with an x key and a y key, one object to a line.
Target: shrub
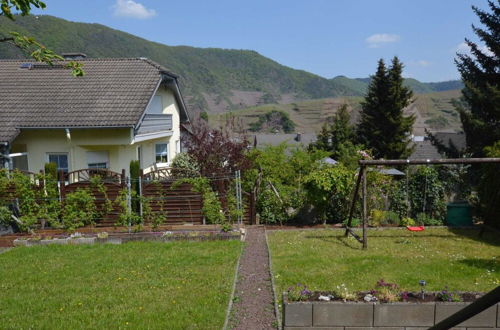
[
  {"x": 328, "y": 189},
  {"x": 426, "y": 220},
  {"x": 5, "y": 216},
  {"x": 391, "y": 218},
  {"x": 355, "y": 222},
  {"x": 427, "y": 193},
  {"x": 398, "y": 202},
  {"x": 186, "y": 162},
  {"x": 79, "y": 209},
  {"x": 377, "y": 217},
  {"x": 407, "y": 222},
  {"x": 51, "y": 170}
]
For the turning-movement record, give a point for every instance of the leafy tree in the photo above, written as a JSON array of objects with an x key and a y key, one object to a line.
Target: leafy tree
[
  {"x": 216, "y": 151},
  {"x": 28, "y": 44},
  {"x": 383, "y": 127},
  {"x": 480, "y": 73},
  {"x": 273, "y": 121}
]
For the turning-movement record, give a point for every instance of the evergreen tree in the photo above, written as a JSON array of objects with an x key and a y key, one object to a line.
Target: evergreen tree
[
  {"x": 480, "y": 71},
  {"x": 336, "y": 135},
  {"x": 383, "y": 127}
]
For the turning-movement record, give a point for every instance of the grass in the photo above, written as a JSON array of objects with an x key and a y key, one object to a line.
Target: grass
[
  {"x": 181, "y": 285},
  {"x": 323, "y": 259}
]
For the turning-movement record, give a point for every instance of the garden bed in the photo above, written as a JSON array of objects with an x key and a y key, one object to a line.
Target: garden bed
[
  {"x": 309, "y": 314},
  {"x": 119, "y": 238}
]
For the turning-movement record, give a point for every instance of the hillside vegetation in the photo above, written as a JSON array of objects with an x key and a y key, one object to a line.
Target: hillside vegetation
[
  {"x": 434, "y": 111},
  {"x": 212, "y": 79}
]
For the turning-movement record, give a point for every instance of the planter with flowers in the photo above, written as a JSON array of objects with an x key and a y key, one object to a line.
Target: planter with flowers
[{"x": 385, "y": 306}]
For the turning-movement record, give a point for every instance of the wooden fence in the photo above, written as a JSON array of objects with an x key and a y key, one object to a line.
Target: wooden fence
[
  {"x": 112, "y": 182},
  {"x": 179, "y": 202}
]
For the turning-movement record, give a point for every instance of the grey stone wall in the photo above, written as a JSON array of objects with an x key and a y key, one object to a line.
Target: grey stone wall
[{"x": 395, "y": 316}]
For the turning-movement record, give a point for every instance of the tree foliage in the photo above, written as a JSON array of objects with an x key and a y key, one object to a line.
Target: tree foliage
[
  {"x": 480, "y": 71},
  {"x": 383, "y": 127},
  {"x": 216, "y": 151},
  {"x": 28, "y": 44},
  {"x": 273, "y": 121}
]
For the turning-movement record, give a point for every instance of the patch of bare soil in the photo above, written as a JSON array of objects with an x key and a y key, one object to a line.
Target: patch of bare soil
[{"x": 253, "y": 304}]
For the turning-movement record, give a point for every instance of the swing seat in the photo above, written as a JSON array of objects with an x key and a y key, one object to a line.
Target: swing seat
[{"x": 417, "y": 228}]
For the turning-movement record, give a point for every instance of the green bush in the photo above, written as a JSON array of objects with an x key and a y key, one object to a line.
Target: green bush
[
  {"x": 329, "y": 189},
  {"x": 426, "y": 220},
  {"x": 51, "y": 170},
  {"x": 354, "y": 223},
  {"x": 5, "y": 216},
  {"x": 407, "y": 222},
  {"x": 427, "y": 193},
  {"x": 184, "y": 161},
  {"x": 377, "y": 218},
  {"x": 391, "y": 218},
  {"x": 79, "y": 209}
]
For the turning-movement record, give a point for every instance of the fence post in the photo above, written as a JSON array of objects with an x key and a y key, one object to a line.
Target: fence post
[{"x": 129, "y": 204}]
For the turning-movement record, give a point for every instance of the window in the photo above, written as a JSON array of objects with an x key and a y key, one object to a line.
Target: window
[
  {"x": 156, "y": 105},
  {"x": 161, "y": 153},
  {"x": 61, "y": 160},
  {"x": 97, "y": 159}
]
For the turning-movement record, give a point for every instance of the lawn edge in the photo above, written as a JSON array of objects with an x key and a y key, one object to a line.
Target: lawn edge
[
  {"x": 275, "y": 297},
  {"x": 233, "y": 290}
]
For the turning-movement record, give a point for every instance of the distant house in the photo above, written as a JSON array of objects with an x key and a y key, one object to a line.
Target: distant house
[
  {"x": 261, "y": 140},
  {"x": 121, "y": 110},
  {"x": 424, "y": 149}
]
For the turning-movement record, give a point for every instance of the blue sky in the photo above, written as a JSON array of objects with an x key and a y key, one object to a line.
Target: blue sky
[{"x": 325, "y": 37}]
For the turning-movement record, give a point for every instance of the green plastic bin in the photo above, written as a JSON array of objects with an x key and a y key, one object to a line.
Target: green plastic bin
[{"x": 458, "y": 214}]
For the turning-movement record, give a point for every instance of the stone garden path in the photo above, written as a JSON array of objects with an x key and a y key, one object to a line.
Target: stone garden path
[{"x": 253, "y": 303}]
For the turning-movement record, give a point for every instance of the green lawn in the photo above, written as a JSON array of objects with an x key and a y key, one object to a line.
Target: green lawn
[
  {"x": 181, "y": 285},
  {"x": 323, "y": 259}
]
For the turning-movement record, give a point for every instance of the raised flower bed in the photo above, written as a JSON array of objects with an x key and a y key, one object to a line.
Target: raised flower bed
[
  {"x": 368, "y": 315},
  {"x": 119, "y": 238},
  {"x": 383, "y": 308}
]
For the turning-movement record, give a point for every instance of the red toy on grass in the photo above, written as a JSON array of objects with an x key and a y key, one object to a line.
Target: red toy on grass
[{"x": 418, "y": 228}]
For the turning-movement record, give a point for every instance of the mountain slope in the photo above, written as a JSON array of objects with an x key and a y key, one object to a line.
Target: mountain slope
[
  {"x": 434, "y": 111},
  {"x": 212, "y": 79}
]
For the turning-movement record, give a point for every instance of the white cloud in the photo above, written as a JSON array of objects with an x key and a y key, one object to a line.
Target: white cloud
[
  {"x": 130, "y": 8},
  {"x": 423, "y": 63},
  {"x": 463, "y": 48},
  {"x": 379, "y": 39}
]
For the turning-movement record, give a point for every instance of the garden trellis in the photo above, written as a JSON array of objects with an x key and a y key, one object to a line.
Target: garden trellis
[{"x": 361, "y": 181}]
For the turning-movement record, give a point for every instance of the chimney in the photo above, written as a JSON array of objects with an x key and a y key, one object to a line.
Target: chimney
[{"x": 74, "y": 56}]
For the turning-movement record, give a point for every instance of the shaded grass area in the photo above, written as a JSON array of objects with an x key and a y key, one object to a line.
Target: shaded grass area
[
  {"x": 323, "y": 259},
  {"x": 181, "y": 285}
]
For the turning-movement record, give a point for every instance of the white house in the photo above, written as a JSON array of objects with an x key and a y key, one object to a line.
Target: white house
[{"x": 120, "y": 110}]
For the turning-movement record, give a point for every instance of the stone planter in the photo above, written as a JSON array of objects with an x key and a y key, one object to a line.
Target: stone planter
[
  {"x": 396, "y": 316},
  {"x": 82, "y": 240}
]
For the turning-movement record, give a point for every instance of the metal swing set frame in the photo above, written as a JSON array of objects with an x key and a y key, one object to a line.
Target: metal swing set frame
[{"x": 361, "y": 181}]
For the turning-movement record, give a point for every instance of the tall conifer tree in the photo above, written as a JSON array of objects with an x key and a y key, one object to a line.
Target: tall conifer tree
[
  {"x": 383, "y": 127},
  {"x": 480, "y": 71}
]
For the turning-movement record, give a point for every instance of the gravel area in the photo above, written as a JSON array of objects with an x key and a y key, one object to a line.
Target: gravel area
[{"x": 253, "y": 306}]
